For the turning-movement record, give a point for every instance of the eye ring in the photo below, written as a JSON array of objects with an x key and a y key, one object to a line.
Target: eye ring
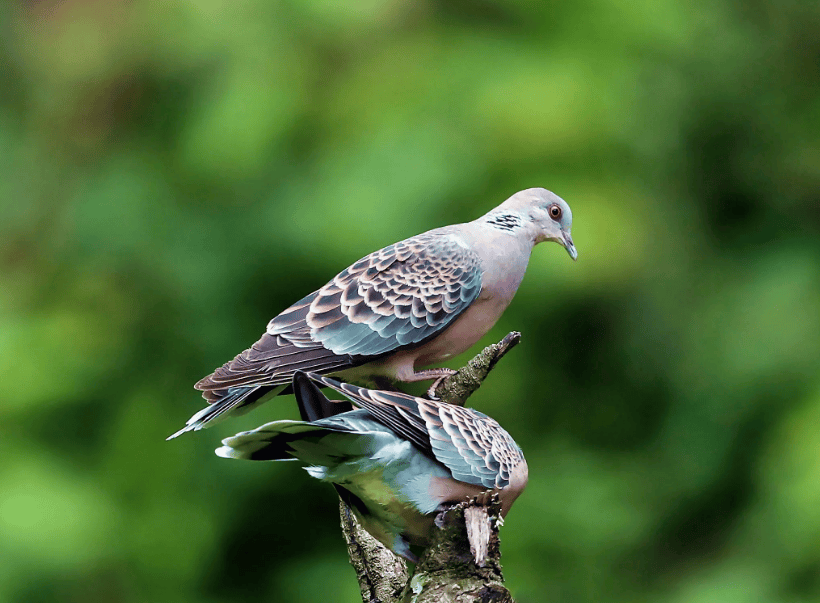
[{"x": 555, "y": 212}]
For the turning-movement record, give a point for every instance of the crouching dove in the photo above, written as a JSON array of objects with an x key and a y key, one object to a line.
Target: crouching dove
[
  {"x": 396, "y": 461},
  {"x": 412, "y": 304}
]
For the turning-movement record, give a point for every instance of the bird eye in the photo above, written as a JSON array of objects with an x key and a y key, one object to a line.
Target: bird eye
[{"x": 555, "y": 212}]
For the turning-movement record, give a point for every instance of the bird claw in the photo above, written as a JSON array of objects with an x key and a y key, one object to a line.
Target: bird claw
[{"x": 431, "y": 391}]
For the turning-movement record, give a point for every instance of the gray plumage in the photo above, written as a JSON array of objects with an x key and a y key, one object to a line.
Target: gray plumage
[
  {"x": 412, "y": 304},
  {"x": 396, "y": 460}
]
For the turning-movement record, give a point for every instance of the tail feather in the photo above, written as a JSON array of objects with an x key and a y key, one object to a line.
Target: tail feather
[
  {"x": 270, "y": 442},
  {"x": 273, "y": 360},
  {"x": 235, "y": 402}
]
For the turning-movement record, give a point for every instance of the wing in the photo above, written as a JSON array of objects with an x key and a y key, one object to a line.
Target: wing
[
  {"x": 474, "y": 448},
  {"x": 395, "y": 410},
  {"x": 393, "y": 299},
  {"x": 272, "y": 361}
]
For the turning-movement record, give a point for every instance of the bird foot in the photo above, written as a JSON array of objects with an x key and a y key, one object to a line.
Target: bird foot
[
  {"x": 439, "y": 374},
  {"x": 431, "y": 391}
]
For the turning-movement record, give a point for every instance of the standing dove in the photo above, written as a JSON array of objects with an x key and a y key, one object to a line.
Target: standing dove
[
  {"x": 412, "y": 304},
  {"x": 396, "y": 461}
]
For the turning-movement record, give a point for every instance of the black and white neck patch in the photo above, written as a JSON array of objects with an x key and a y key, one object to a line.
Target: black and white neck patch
[{"x": 508, "y": 222}]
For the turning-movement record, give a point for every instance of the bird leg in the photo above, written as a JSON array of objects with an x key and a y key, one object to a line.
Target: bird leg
[{"x": 439, "y": 374}]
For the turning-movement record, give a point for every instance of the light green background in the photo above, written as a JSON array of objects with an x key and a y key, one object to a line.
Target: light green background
[{"x": 173, "y": 173}]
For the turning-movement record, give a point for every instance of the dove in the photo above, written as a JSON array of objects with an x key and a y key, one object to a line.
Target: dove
[
  {"x": 396, "y": 460},
  {"x": 412, "y": 304}
]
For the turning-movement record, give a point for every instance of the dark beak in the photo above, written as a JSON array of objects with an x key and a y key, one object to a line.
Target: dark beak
[{"x": 569, "y": 246}]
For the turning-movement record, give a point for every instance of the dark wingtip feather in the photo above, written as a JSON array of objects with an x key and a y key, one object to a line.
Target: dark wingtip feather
[
  {"x": 309, "y": 398},
  {"x": 313, "y": 404}
]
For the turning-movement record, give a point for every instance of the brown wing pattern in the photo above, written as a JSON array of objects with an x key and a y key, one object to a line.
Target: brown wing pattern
[{"x": 394, "y": 298}]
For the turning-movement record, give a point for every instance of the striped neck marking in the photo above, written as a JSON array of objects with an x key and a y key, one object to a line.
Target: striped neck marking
[{"x": 508, "y": 222}]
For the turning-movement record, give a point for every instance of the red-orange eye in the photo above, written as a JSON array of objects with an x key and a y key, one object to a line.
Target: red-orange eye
[{"x": 555, "y": 212}]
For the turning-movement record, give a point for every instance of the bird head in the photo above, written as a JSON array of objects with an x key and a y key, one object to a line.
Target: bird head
[{"x": 548, "y": 216}]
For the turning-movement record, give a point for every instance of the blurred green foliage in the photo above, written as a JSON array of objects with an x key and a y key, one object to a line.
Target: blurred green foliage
[{"x": 176, "y": 172}]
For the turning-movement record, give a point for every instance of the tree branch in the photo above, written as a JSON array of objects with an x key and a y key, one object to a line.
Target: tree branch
[
  {"x": 462, "y": 565},
  {"x": 382, "y": 574},
  {"x": 449, "y": 572},
  {"x": 455, "y": 389}
]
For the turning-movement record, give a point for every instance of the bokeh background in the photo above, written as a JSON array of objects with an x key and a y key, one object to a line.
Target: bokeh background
[{"x": 173, "y": 173}]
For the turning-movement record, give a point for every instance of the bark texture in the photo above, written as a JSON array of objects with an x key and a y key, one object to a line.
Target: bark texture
[
  {"x": 448, "y": 572},
  {"x": 382, "y": 575},
  {"x": 463, "y": 563}
]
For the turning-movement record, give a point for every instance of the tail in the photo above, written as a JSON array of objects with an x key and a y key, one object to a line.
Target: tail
[
  {"x": 327, "y": 445},
  {"x": 237, "y": 401},
  {"x": 271, "y": 442}
]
